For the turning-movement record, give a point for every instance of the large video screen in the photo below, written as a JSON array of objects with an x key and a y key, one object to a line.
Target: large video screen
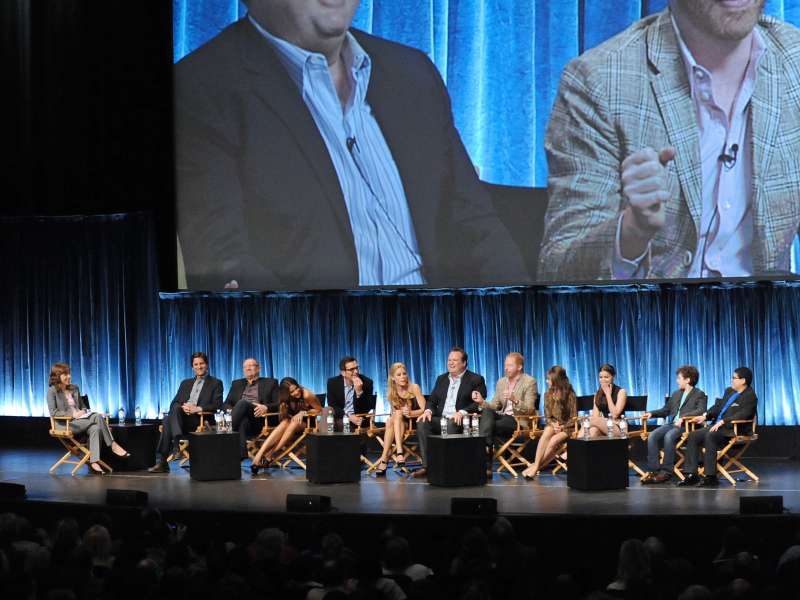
[{"x": 342, "y": 144}]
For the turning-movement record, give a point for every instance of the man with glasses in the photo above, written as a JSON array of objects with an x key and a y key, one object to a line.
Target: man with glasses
[
  {"x": 737, "y": 404},
  {"x": 350, "y": 394}
]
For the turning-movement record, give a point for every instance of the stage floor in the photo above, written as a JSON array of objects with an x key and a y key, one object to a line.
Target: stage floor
[{"x": 394, "y": 494}]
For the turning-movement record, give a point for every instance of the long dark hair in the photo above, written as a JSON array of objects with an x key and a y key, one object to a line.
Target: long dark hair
[
  {"x": 559, "y": 382},
  {"x": 283, "y": 390},
  {"x": 599, "y": 395}
]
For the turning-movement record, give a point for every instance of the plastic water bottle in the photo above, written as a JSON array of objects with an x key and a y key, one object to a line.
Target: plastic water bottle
[
  {"x": 610, "y": 426},
  {"x": 465, "y": 424},
  {"x": 476, "y": 425},
  {"x": 121, "y": 416},
  {"x": 623, "y": 426},
  {"x": 137, "y": 414},
  {"x": 346, "y": 424},
  {"x": 228, "y": 420},
  {"x": 443, "y": 425},
  {"x": 329, "y": 420},
  {"x": 220, "y": 420},
  {"x": 587, "y": 425}
]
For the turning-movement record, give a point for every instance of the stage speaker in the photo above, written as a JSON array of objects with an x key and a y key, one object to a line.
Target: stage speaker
[
  {"x": 308, "y": 503},
  {"x": 761, "y": 505},
  {"x": 126, "y": 497},
  {"x": 483, "y": 507},
  {"x": 11, "y": 491}
]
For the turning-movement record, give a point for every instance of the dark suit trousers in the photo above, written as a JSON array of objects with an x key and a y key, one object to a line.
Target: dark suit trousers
[
  {"x": 493, "y": 423},
  {"x": 711, "y": 441},
  {"x": 246, "y": 423},
  {"x": 176, "y": 424},
  {"x": 432, "y": 427}
]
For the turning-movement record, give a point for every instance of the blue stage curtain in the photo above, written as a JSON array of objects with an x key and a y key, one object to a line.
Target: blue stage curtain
[
  {"x": 501, "y": 59},
  {"x": 82, "y": 291},
  {"x": 645, "y": 331}
]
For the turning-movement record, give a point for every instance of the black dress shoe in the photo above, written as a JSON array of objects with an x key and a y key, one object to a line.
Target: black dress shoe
[
  {"x": 691, "y": 479},
  {"x": 159, "y": 467},
  {"x": 709, "y": 481},
  {"x": 648, "y": 478}
]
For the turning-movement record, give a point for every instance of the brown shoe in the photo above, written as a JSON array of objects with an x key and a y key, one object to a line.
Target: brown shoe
[
  {"x": 661, "y": 477},
  {"x": 160, "y": 467},
  {"x": 420, "y": 473}
]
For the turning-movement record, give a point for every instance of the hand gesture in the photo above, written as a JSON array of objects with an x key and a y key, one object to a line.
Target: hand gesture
[
  {"x": 259, "y": 410},
  {"x": 358, "y": 385},
  {"x": 457, "y": 418},
  {"x": 425, "y": 416},
  {"x": 645, "y": 186},
  {"x": 478, "y": 398}
]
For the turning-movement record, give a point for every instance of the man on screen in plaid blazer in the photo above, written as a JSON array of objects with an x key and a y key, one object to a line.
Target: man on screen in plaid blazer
[{"x": 673, "y": 149}]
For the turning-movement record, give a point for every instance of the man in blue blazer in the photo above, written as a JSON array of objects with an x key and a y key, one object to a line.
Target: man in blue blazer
[
  {"x": 738, "y": 403},
  {"x": 310, "y": 155}
]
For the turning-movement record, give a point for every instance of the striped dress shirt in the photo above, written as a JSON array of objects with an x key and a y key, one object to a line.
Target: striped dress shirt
[{"x": 383, "y": 231}]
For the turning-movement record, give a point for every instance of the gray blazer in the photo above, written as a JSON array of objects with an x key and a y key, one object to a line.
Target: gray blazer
[
  {"x": 57, "y": 402},
  {"x": 694, "y": 406}
]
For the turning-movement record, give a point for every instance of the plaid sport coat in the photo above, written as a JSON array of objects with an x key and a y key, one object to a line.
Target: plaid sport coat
[{"x": 632, "y": 92}]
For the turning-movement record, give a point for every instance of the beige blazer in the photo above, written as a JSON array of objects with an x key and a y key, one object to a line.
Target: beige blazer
[
  {"x": 632, "y": 92},
  {"x": 526, "y": 394}
]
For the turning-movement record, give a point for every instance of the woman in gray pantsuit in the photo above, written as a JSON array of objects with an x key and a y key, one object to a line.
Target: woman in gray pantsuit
[{"x": 64, "y": 400}]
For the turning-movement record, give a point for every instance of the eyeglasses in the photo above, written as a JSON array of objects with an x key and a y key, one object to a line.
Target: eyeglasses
[
  {"x": 352, "y": 369},
  {"x": 736, "y": 377}
]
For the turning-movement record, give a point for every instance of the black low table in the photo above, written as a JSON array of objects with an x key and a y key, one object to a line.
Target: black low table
[
  {"x": 214, "y": 456},
  {"x": 597, "y": 463},
  {"x": 333, "y": 457},
  {"x": 139, "y": 440},
  {"x": 456, "y": 460}
]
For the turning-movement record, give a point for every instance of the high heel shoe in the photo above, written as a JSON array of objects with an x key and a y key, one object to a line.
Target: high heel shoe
[
  {"x": 529, "y": 477},
  {"x": 125, "y": 453},
  {"x": 98, "y": 471},
  {"x": 381, "y": 470},
  {"x": 254, "y": 469}
]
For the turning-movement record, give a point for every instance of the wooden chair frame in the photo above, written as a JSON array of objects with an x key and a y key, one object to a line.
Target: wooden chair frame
[
  {"x": 74, "y": 446},
  {"x": 561, "y": 463},
  {"x": 296, "y": 450},
  {"x": 509, "y": 453},
  {"x": 729, "y": 457}
]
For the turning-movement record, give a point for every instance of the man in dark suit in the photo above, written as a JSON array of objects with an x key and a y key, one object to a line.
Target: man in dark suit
[
  {"x": 350, "y": 393},
  {"x": 291, "y": 176},
  {"x": 739, "y": 403},
  {"x": 687, "y": 401},
  {"x": 201, "y": 393},
  {"x": 452, "y": 398},
  {"x": 249, "y": 400}
]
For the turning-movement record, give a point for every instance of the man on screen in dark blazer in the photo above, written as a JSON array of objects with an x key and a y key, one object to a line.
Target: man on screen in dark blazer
[
  {"x": 249, "y": 400},
  {"x": 310, "y": 155},
  {"x": 350, "y": 394},
  {"x": 738, "y": 403},
  {"x": 201, "y": 393},
  {"x": 452, "y": 398}
]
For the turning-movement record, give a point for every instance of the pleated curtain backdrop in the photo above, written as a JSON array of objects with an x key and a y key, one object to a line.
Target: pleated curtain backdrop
[
  {"x": 501, "y": 59},
  {"x": 82, "y": 291},
  {"x": 645, "y": 331}
]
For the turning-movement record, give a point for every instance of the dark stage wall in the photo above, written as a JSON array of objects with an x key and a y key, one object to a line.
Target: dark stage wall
[{"x": 85, "y": 292}]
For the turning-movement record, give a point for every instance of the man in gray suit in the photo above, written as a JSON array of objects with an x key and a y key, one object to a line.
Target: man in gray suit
[
  {"x": 687, "y": 401},
  {"x": 671, "y": 149}
]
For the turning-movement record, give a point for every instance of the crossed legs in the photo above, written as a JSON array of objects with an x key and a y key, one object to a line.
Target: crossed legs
[{"x": 546, "y": 450}]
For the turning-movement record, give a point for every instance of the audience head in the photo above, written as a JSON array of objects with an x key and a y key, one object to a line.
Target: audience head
[
  {"x": 97, "y": 542},
  {"x": 634, "y": 562},
  {"x": 251, "y": 368},
  {"x": 742, "y": 378},
  {"x": 60, "y": 376},
  {"x": 696, "y": 592},
  {"x": 687, "y": 376},
  {"x": 514, "y": 365},
  {"x": 348, "y": 367},
  {"x": 396, "y": 554},
  {"x": 270, "y": 542},
  {"x": 456, "y": 361},
  {"x": 199, "y": 364}
]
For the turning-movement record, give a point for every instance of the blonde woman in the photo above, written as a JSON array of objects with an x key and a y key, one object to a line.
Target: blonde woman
[{"x": 406, "y": 400}]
